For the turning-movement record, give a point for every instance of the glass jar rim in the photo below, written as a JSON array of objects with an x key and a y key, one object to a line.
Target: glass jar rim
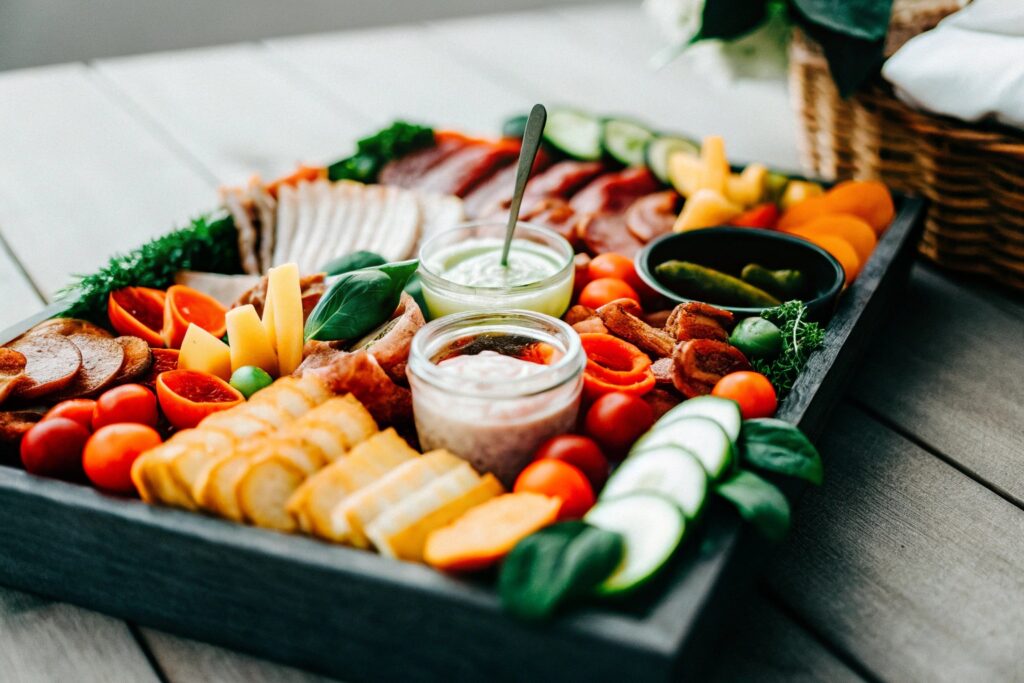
[
  {"x": 438, "y": 280},
  {"x": 435, "y": 335}
]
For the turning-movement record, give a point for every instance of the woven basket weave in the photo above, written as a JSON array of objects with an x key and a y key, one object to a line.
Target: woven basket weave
[{"x": 972, "y": 174}]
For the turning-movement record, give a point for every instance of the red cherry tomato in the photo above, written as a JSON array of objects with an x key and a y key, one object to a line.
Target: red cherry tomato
[
  {"x": 110, "y": 452},
  {"x": 617, "y": 419},
  {"x": 53, "y": 448},
  {"x": 77, "y": 409},
  {"x": 561, "y": 480},
  {"x": 126, "y": 403},
  {"x": 604, "y": 290},
  {"x": 580, "y": 452},
  {"x": 751, "y": 390},
  {"x": 616, "y": 266}
]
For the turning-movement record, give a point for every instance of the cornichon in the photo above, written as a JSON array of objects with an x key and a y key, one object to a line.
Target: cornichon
[
  {"x": 784, "y": 284},
  {"x": 712, "y": 286}
]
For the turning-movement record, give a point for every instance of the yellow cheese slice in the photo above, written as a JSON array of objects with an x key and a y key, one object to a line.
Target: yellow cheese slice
[
  {"x": 268, "y": 320},
  {"x": 716, "y": 166},
  {"x": 285, "y": 294},
  {"x": 201, "y": 351},
  {"x": 249, "y": 341}
]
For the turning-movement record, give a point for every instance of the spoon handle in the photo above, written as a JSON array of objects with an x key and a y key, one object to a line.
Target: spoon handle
[{"x": 527, "y": 152}]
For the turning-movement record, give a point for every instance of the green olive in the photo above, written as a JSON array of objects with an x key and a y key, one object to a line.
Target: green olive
[
  {"x": 757, "y": 338},
  {"x": 249, "y": 379}
]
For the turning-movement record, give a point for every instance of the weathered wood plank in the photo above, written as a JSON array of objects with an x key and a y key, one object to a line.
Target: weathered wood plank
[
  {"x": 903, "y": 562},
  {"x": 949, "y": 374},
  {"x": 16, "y": 291},
  {"x": 47, "y": 641},
  {"x": 80, "y": 178},
  {"x": 235, "y": 109},
  {"x": 398, "y": 73},
  {"x": 599, "y": 59}
]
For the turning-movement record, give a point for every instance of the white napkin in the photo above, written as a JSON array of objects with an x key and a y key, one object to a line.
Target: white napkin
[{"x": 970, "y": 67}]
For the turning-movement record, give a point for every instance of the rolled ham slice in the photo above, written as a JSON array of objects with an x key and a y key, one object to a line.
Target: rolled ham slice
[
  {"x": 614, "y": 192},
  {"x": 460, "y": 172}
]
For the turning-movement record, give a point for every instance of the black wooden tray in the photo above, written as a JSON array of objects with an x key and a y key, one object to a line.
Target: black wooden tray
[{"x": 359, "y": 616}]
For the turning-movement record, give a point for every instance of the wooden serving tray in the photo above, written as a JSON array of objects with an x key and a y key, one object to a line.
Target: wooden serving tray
[{"x": 359, "y": 616}]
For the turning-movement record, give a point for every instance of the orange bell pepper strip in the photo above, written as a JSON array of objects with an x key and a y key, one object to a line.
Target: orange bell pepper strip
[{"x": 614, "y": 365}]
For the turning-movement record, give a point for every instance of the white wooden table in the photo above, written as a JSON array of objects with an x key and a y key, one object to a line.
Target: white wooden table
[{"x": 907, "y": 565}]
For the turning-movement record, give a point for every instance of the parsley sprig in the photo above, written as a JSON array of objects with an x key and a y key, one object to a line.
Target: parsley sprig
[{"x": 800, "y": 338}]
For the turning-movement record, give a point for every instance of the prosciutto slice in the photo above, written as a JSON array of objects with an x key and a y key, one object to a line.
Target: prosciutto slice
[
  {"x": 614, "y": 192},
  {"x": 405, "y": 172},
  {"x": 493, "y": 195},
  {"x": 460, "y": 172},
  {"x": 653, "y": 215}
]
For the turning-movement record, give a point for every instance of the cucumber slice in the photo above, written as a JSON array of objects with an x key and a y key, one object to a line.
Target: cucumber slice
[
  {"x": 699, "y": 435},
  {"x": 625, "y": 141},
  {"x": 574, "y": 133},
  {"x": 514, "y": 126},
  {"x": 724, "y": 411},
  {"x": 668, "y": 470},
  {"x": 659, "y": 148},
  {"x": 652, "y": 527}
]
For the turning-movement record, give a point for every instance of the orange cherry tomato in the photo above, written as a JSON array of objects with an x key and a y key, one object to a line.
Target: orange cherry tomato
[
  {"x": 139, "y": 312},
  {"x": 77, "y": 409},
  {"x": 599, "y": 292},
  {"x": 163, "y": 360},
  {"x": 185, "y": 305},
  {"x": 110, "y": 452},
  {"x": 126, "y": 403},
  {"x": 53, "y": 448},
  {"x": 751, "y": 390},
  {"x": 616, "y": 421},
  {"x": 615, "y": 266},
  {"x": 187, "y": 396},
  {"x": 580, "y": 452},
  {"x": 561, "y": 480}
]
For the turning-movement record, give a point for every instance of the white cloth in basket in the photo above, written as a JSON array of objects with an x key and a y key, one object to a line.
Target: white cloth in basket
[{"x": 970, "y": 67}]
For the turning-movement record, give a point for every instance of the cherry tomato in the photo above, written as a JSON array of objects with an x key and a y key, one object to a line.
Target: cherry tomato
[
  {"x": 126, "y": 403},
  {"x": 53, "y": 448},
  {"x": 110, "y": 452},
  {"x": 618, "y": 419},
  {"x": 580, "y": 452},
  {"x": 616, "y": 266},
  {"x": 77, "y": 409},
  {"x": 751, "y": 390},
  {"x": 599, "y": 292},
  {"x": 561, "y": 480}
]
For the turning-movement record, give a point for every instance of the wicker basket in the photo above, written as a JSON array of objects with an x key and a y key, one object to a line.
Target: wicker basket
[{"x": 972, "y": 174}]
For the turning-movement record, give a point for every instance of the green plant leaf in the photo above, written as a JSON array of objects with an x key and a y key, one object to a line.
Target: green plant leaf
[
  {"x": 866, "y": 20},
  {"x": 728, "y": 19},
  {"x": 759, "y": 502},
  {"x": 780, "y": 447},
  {"x": 555, "y": 564},
  {"x": 355, "y": 304},
  {"x": 399, "y": 272},
  {"x": 373, "y": 151},
  {"x": 354, "y": 261}
]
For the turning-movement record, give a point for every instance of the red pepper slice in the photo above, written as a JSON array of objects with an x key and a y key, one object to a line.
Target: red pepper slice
[
  {"x": 614, "y": 365},
  {"x": 761, "y": 216}
]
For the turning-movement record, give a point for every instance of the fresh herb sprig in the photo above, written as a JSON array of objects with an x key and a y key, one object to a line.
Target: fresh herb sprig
[
  {"x": 373, "y": 151},
  {"x": 209, "y": 243},
  {"x": 800, "y": 338}
]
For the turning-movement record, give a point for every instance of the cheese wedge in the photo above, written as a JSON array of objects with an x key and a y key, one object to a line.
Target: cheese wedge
[
  {"x": 203, "y": 352},
  {"x": 248, "y": 340},
  {"x": 363, "y": 507},
  {"x": 402, "y": 531},
  {"x": 285, "y": 295}
]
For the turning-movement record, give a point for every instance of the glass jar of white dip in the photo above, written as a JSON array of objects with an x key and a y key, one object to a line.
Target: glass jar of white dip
[
  {"x": 461, "y": 270},
  {"x": 492, "y": 387}
]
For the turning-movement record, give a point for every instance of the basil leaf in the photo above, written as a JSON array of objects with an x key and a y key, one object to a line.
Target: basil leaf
[
  {"x": 863, "y": 19},
  {"x": 354, "y": 261},
  {"x": 729, "y": 19},
  {"x": 355, "y": 304},
  {"x": 399, "y": 272},
  {"x": 759, "y": 502},
  {"x": 778, "y": 446},
  {"x": 554, "y": 564}
]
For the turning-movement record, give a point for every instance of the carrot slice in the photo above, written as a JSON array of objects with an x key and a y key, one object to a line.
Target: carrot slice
[
  {"x": 854, "y": 230},
  {"x": 185, "y": 305},
  {"x": 488, "y": 532},
  {"x": 138, "y": 312},
  {"x": 866, "y": 199},
  {"x": 842, "y": 251}
]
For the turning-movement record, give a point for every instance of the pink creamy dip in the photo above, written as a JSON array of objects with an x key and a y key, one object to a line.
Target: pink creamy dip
[{"x": 497, "y": 435}]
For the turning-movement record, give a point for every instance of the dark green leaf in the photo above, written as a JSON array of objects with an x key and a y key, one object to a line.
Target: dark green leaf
[
  {"x": 400, "y": 272},
  {"x": 353, "y": 261},
  {"x": 866, "y": 20},
  {"x": 555, "y": 564},
  {"x": 851, "y": 61},
  {"x": 730, "y": 18},
  {"x": 373, "y": 151},
  {"x": 799, "y": 339},
  {"x": 778, "y": 446},
  {"x": 355, "y": 304},
  {"x": 759, "y": 502}
]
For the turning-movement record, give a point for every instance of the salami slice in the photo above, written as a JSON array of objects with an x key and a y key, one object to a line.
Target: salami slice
[
  {"x": 52, "y": 362},
  {"x": 652, "y": 216},
  {"x": 102, "y": 360},
  {"x": 607, "y": 233},
  {"x": 66, "y": 327},
  {"x": 138, "y": 358}
]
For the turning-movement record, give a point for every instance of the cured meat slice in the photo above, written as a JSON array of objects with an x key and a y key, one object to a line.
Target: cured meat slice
[
  {"x": 700, "y": 363},
  {"x": 460, "y": 172},
  {"x": 12, "y": 372},
  {"x": 653, "y": 215},
  {"x": 622, "y": 319},
  {"x": 360, "y": 374},
  {"x": 138, "y": 358},
  {"x": 696, "y": 320},
  {"x": 561, "y": 180},
  {"x": 390, "y": 343},
  {"x": 661, "y": 401},
  {"x": 405, "y": 172},
  {"x": 245, "y": 225},
  {"x": 556, "y": 214},
  {"x": 493, "y": 195},
  {"x": 615, "y": 192},
  {"x": 102, "y": 360},
  {"x": 51, "y": 363},
  {"x": 68, "y": 326},
  {"x": 606, "y": 232}
]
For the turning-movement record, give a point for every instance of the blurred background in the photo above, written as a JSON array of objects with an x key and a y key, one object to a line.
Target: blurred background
[{"x": 38, "y": 32}]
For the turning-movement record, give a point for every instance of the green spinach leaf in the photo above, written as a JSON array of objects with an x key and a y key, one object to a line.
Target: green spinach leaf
[
  {"x": 556, "y": 564},
  {"x": 778, "y": 446},
  {"x": 359, "y": 301},
  {"x": 759, "y": 502}
]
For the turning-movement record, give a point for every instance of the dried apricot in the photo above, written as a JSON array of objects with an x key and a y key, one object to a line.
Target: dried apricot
[
  {"x": 866, "y": 199},
  {"x": 854, "y": 230},
  {"x": 842, "y": 251}
]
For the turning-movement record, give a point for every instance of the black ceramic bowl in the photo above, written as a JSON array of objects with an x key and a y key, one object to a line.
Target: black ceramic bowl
[{"x": 729, "y": 249}]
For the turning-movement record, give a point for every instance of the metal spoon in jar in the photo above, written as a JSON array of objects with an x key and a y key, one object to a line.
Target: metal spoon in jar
[{"x": 527, "y": 153}]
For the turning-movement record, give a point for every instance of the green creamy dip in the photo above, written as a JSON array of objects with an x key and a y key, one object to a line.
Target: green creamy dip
[{"x": 477, "y": 263}]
